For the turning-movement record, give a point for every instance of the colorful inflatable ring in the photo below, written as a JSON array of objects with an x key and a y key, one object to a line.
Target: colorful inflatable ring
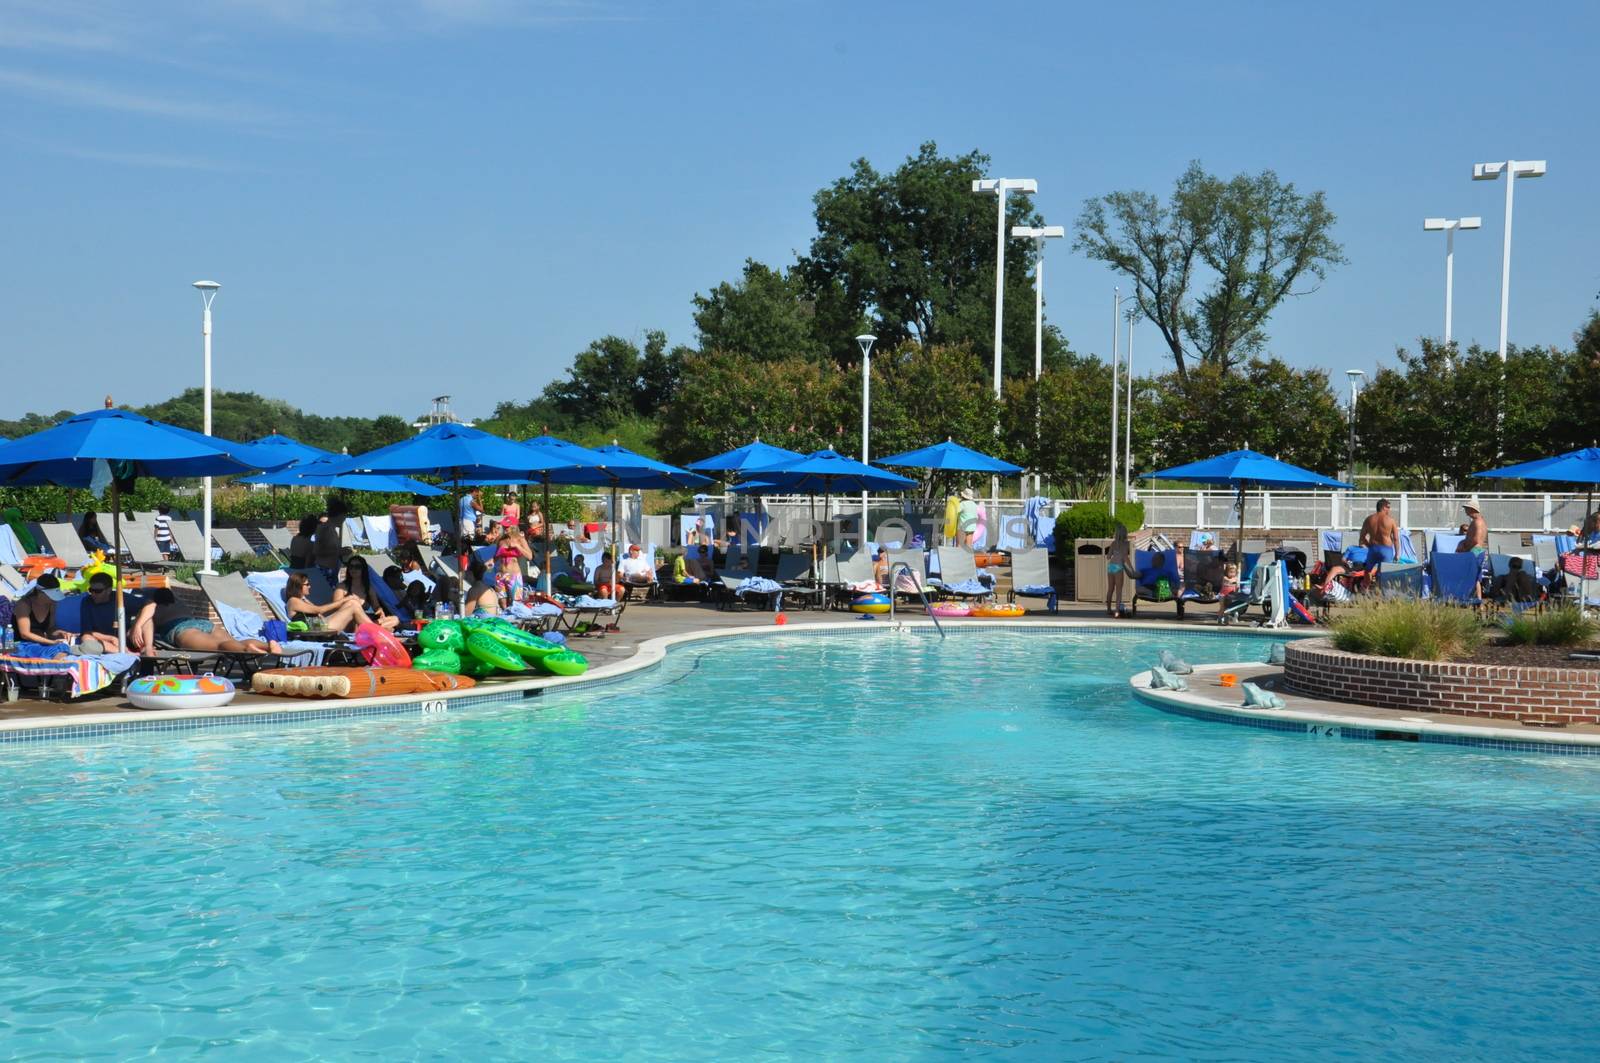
[
  {"x": 950, "y": 609},
  {"x": 486, "y": 648},
  {"x": 999, "y": 610},
  {"x": 381, "y": 649},
  {"x": 564, "y": 662},
  {"x": 180, "y": 692},
  {"x": 870, "y": 603}
]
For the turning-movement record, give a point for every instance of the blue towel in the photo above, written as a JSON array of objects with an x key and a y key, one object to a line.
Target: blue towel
[
  {"x": 1040, "y": 527},
  {"x": 1408, "y": 547},
  {"x": 271, "y": 586},
  {"x": 11, "y": 551},
  {"x": 1331, "y": 540},
  {"x": 967, "y": 586},
  {"x": 240, "y": 624},
  {"x": 305, "y": 654}
]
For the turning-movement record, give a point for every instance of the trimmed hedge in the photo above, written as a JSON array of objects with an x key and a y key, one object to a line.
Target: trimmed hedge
[{"x": 1093, "y": 520}]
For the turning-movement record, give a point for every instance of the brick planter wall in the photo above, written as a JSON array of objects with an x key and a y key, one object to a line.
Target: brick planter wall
[{"x": 1549, "y": 696}]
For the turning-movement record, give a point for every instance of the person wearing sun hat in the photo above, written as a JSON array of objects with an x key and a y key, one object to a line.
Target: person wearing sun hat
[
  {"x": 966, "y": 517},
  {"x": 1476, "y": 538}
]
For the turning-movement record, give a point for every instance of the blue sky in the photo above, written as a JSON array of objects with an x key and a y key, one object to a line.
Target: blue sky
[{"x": 408, "y": 197}]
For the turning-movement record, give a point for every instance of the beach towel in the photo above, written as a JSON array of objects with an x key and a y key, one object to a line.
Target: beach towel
[
  {"x": 12, "y": 518},
  {"x": 240, "y": 624},
  {"x": 966, "y": 586},
  {"x": 11, "y": 551},
  {"x": 271, "y": 586},
  {"x": 380, "y": 532},
  {"x": 1408, "y": 547},
  {"x": 1331, "y": 540},
  {"x": 1013, "y": 534},
  {"x": 1041, "y": 526},
  {"x": 355, "y": 532}
]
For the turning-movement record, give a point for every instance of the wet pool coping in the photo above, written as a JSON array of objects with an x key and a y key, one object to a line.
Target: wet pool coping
[
  {"x": 1209, "y": 701},
  {"x": 256, "y": 711}
]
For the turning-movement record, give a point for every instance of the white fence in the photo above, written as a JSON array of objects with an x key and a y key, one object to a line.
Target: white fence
[{"x": 1311, "y": 510}]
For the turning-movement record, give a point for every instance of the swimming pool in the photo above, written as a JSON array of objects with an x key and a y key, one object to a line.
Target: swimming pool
[{"x": 883, "y": 847}]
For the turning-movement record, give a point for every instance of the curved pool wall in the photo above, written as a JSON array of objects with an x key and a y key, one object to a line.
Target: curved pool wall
[
  {"x": 648, "y": 654},
  {"x": 803, "y": 846}
]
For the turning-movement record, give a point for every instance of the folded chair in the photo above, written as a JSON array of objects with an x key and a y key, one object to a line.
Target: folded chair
[{"x": 1030, "y": 576}]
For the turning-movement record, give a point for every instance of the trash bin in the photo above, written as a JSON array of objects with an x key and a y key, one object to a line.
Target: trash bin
[{"x": 1089, "y": 570}]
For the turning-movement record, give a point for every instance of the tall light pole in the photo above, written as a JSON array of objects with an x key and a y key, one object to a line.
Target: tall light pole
[
  {"x": 1449, "y": 226},
  {"x": 1356, "y": 376},
  {"x": 1127, "y": 419},
  {"x": 208, "y": 292},
  {"x": 865, "y": 340},
  {"x": 1038, "y": 234},
  {"x": 1116, "y": 357},
  {"x": 1489, "y": 171},
  {"x": 998, "y": 187}
]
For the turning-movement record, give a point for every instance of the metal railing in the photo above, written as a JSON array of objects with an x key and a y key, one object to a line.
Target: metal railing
[
  {"x": 916, "y": 581},
  {"x": 1313, "y": 510}
]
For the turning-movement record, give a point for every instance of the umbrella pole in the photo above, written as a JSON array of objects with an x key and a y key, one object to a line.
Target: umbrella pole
[
  {"x": 462, "y": 551},
  {"x": 116, "y": 566},
  {"x": 1583, "y": 556},
  {"x": 1238, "y": 547},
  {"x": 544, "y": 523}
]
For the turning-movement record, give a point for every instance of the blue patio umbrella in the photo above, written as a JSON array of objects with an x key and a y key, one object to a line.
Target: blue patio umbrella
[
  {"x": 1243, "y": 468},
  {"x": 339, "y": 471},
  {"x": 951, "y": 456},
  {"x": 824, "y": 472},
  {"x": 1573, "y": 467},
  {"x": 292, "y": 450},
  {"x": 114, "y": 445},
  {"x": 753, "y": 455},
  {"x": 625, "y": 468},
  {"x": 462, "y": 454}
]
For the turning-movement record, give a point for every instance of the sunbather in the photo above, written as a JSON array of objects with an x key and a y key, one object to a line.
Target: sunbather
[
  {"x": 100, "y": 613},
  {"x": 508, "y": 576},
  {"x": 163, "y": 617},
  {"x": 483, "y": 597},
  {"x": 34, "y": 620},
  {"x": 358, "y": 585},
  {"x": 636, "y": 570},
  {"x": 1118, "y": 555},
  {"x": 605, "y": 576},
  {"x": 344, "y": 615},
  {"x": 89, "y": 531}
]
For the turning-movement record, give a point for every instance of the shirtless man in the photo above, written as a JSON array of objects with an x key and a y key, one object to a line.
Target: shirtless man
[
  {"x": 1476, "y": 537},
  {"x": 1378, "y": 544}
]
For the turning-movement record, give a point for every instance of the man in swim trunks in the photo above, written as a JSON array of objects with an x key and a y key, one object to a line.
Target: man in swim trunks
[
  {"x": 1476, "y": 538},
  {"x": 1378, "y": 544}
]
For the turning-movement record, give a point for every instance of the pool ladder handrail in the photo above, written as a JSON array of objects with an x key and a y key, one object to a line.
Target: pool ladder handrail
[{"x": 916, "y": 581}]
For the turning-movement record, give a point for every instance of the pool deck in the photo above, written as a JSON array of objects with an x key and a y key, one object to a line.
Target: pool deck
[
  {"x": 1207, "y": 699},
  {"x": 649, "y": 630}
]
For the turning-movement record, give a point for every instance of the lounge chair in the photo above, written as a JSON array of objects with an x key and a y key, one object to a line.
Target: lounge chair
[
  {"x": 958, "y": 575},
  {"x": 190, "y": 544},
  {"x": 1030, "y": 576},
  {"x": 11, "y": 581},
  {"x": 232, "y": 542},
  {"x": 139, "y": 540},
  {"x": 230, "y": 593},
  {"x": 1156, "y": 579},
  {"x": 279, "y": 540},
  {"x": 1401, "y": 580},
  {"x": 914, "y": 560},
  {"x": 1203, "y": 575},
  {"x": 1456, "y": 576},
  {"x": 63, "y": 541},
  {"x": 795, "y": 572}
]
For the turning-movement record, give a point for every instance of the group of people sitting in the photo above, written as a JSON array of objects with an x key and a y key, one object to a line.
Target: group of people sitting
[{"x": 154, "y": 619}]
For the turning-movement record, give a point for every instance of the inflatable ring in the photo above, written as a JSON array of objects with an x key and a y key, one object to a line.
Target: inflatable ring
[
  {"x": 490, "y": 651},
  {"x": 180, "y": 692},
  {"x": 381, "y": 649},
  {"x": 950, "y": 609},
  {"x": 564, "y": 662},
  {"x": 870, "y": 603},
  {"x": 999, "y": 610}
]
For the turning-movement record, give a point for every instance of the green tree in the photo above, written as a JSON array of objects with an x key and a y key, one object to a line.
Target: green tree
[
  {"x": 794, "y": 403},
  {"x": 1254, "y": 237},
  {"x": 1071, "y": 447},
  {"x": 1263, "y": 404},
  {"x": 911, "y": 255},
  {"x": 766, "y": 314},
  {"x": 925, "y": 395}
]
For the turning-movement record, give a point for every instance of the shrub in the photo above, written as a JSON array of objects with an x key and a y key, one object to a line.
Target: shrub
[
  {"x": 1566, "y": 626},
  {"x": 1409, "y": 628},
  {"x": 1093, "y": 520}
]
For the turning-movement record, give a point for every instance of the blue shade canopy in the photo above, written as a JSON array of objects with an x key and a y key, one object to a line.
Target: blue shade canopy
[
  {"x": 824, "y": 472},
  {"x": 337, "y": 471},
  {"x": 292, "y": 450},
  {"x": 65, "y": 454},
  {"x": 1573, "y": 467},
  {"x": 950, "y": 456},
  {"x": 637, "y": 472},
  {"x": 1241, "y": 467},
  {"x": 756, "y": 455},
  {"x": 575, "y": 455},
  {"x": 464, "y": 454}
]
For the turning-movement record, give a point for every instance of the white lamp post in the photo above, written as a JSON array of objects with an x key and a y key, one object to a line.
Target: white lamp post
[
  {"x": 208, "y": 292},
  {"x": 1489, "y": 171},
  {"x": 1038, "y": 234},
  {"x": 1127, "y": 422},
  {"x": 1449, "y": 226},
  {"x": 865, "y": 340},
  {"x": 1116, "y": 357},
  {"x": 1356, "y": 376},
  {"x": 998, "y": 187}
]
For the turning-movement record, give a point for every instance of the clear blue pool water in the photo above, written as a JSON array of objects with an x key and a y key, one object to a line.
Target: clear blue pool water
[{"x": 806, "y": 847}]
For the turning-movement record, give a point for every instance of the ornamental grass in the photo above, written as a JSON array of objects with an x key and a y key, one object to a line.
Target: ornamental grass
[
  {"x": 1566, "y": 626},
  {"x": 1408, "y": 628}
]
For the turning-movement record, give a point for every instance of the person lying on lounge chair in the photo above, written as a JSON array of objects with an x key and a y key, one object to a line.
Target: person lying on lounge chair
[
  {"x": 635, "y": 570},
  {"x": 168, "y": 621}
]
